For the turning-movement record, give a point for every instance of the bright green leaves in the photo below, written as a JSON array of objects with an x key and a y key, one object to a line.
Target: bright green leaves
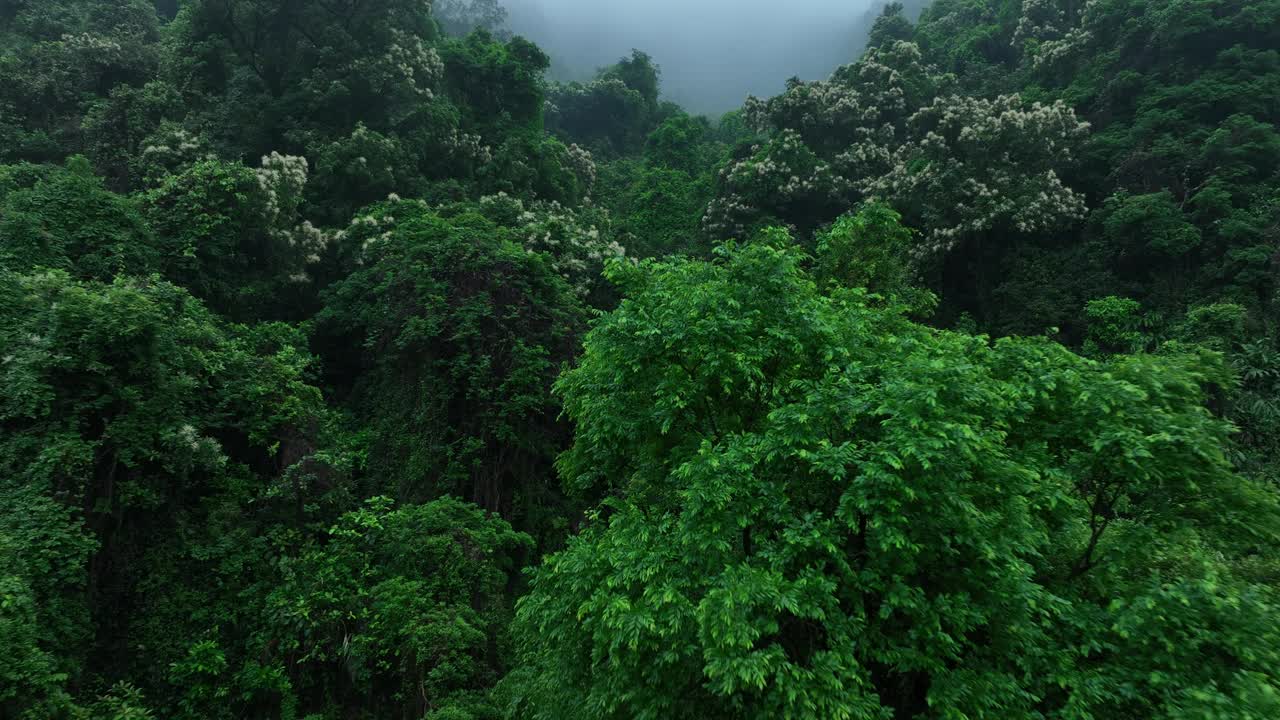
[
  {"x": 44, "y": 620},
  {"x": 871, "y": 249},
  {"x": 1116, "y": 325},
  {"x": 824, "y": 510}
]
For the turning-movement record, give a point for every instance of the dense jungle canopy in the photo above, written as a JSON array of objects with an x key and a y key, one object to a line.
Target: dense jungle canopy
[{"x": 357, "y": 365}]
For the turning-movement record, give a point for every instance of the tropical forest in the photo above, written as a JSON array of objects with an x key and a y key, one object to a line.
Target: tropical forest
[{"x": 468, "y": 360}]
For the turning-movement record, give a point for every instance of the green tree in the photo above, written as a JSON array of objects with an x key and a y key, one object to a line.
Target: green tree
[
  {"x": 1116, "y": 325},
  {"x": 868, "y": 249},
  {"x": 65, "y": 218},
  {"x": 682, "y": 142},
  {"x": 398, "y": 613},
  {"x": 656, "y": 208},
  {"x": 613, "y": 113},
  {"x": 132, "y": 418},
  {"x": 817, "y": 508},
  {"x": 459, "y": 17},
  {"x": 453, "y": 333},
  {"x": 234, "y": 237},
  {"x": 60, "y": 58}
]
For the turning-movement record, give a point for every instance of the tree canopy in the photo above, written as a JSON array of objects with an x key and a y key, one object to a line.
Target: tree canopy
[
  {"x": 831, "y": 511},
  {"x": 365, "y": 360}
]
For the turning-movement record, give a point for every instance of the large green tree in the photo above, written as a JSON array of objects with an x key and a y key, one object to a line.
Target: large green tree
[
  {"x": 1180, "y": 166},
  {"x": 816, "y": 508}
]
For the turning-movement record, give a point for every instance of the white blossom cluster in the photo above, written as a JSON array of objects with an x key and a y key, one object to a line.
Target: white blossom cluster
[
  {"x": 573, "y": 93},
  {"x": 787, "y": 171},
  {"x": 368, "y": 153},
  {"x": 92, "y": 45},
  {"x": 975, "y": 164},
  {"x": 77, "y": 60},
  {"x": 1062, "y": 29},
  {"x": 583, "y": 165},
  {"x": 169, "y": 150},
  {"x": 1001, "y": 127},
  {"x": 577, "y": 242},
  {"x": 282, "y": 180},
  {"x": 961, "y": 165},
  {"x": 820, "y": 106},
  {"x": 881, "y": 78},
  {"x": 577, "y": 246},
  {"x": 827, "y": 134},
  {"x": 727, "y": 217},
  {"x": 408, "y": 63},
  {"x": 868, "y": 94},
  {"x": 1052, "y": 52},
  {"x": 1040, "y": 20},
  {"x": 362, "y": 135},
  {"x": 870, "y": 155},
  {"x": 372, "y": 229},
  {"x": 179, "y": 143},
  {"x": 468, "y": 147},
  {"x": 203, "y": 450}
]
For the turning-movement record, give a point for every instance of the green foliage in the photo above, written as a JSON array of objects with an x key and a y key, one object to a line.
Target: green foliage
[
  {"x": 870, "y": 249},
  {"x": 253, "y": 69},
  {"x": 44, "y": 619},
  {"x": 892, "y": 25},
  {"x": 125, "y": 407},
  {"x": 60, "y": 59},
  {"x": 539, "y": 167},
  {"x": 499, "y": 85},
  {"x": 399, "y": 613},
  {"x": 1256, "y": 409},
  {"x": 1182, "y": 161},
  {"x": 455, "y": 333},
  {"x": 802, "y": 503},
  {"x": 1115, "y": 326},
  {"x": 576, "y": 242},
  {"x": 612, "y": 114},
  {"x": 232, "y": 234},
  {"x": 638, "y": 73},
  {"x": 372, "y": 94},
  {"x": 657, "y": 208},
  {"x": 66, "y": 219},
  {"x": 820, "y": 509},
  {"x": 122, "y": 702},
  {"x": 681, "y": 142}
]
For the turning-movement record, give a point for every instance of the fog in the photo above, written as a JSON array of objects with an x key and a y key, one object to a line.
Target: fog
[{"x": 713, "y": 53}]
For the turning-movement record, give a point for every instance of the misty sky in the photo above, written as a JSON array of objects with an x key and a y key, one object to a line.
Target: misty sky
[{"x": 712, "y": 52}]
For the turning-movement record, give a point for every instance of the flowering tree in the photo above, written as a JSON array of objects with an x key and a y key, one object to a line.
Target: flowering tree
[
  {"x": 971, "y": 165},
  {"x": 234, "y": 235},
  {"x": 890, "y": 128},
  {"x": 577, "y": 242}
]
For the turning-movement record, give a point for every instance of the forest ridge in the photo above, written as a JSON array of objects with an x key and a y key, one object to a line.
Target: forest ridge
[{"x": 352, "y": 368}]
